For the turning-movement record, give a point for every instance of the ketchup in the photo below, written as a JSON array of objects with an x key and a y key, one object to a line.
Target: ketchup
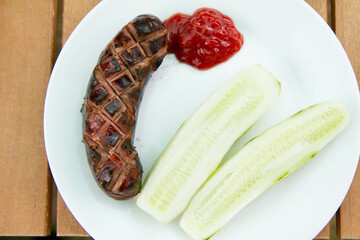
[{"x": 204, "y": 39}]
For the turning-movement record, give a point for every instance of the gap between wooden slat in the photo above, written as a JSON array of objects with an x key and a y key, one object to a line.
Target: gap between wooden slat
[{"x": 58, "y": 45}]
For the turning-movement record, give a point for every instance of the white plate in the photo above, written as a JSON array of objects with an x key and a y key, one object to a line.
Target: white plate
[{"x": 287, "y": 37}]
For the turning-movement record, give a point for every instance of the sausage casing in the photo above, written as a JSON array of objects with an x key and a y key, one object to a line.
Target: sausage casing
[{"x": 111, "y": 104}]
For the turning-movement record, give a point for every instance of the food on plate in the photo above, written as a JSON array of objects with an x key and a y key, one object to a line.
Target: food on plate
[
  {"x": 204, "y": 39},
  {"x": 111, "y": 103},
  {"x": 263, "y": 162},
  {"x": 202, "y": 141}
]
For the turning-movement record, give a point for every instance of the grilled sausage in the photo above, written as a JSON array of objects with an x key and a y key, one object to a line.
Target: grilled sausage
[{"x": 111, "y": 103}]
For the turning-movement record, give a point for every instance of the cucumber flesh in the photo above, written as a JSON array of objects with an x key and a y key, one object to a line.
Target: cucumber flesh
[
  {"x": 260, "y": 164},
  {"x": 202, "y": 141}
]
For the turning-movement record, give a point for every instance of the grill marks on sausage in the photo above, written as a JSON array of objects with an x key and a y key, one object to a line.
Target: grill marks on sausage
[
  {"x": 122, "y": 82},
  {"x": 132, "y": 55},
  {"x": 110, "y": 67},
  {"x": 113, "y": 96},
  {"x": 156, "y": 45},
  {"x": 113, "y": 107},
  {"x": 144, "y": 25},
  {"x": 110, "y": 136}
]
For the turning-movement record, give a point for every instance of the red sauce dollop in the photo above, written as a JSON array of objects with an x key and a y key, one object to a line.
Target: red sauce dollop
[{"x": 204, "y": 39}]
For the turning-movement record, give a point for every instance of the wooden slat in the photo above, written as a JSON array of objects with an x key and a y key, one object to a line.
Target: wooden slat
[
  {"x": 321, "y": 6},
  {"x": 347, "y": 28},
  {"x": 66, "y": 223},
  {"x": 27, "y": 46},
  {"x": 73, "y": 12},
  {"x": 325, "y": 233}
]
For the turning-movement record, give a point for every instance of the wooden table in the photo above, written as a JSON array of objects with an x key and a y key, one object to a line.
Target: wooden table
[{"x": 32, "y": 33}]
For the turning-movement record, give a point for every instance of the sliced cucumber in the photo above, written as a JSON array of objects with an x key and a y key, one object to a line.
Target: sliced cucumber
[
  {"x": 202, "y": 141},
  {"x": 263, "y": 162}
]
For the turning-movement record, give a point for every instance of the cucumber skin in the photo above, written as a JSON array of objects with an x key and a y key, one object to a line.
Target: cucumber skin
[
  {"x": 269, "y": 87},
  {"x": 269, "y": 176}
]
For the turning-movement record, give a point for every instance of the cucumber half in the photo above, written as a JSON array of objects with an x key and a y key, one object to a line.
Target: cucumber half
[
  {"x": 260, "y": 164},
  {"x": 202, "y": 141}
]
